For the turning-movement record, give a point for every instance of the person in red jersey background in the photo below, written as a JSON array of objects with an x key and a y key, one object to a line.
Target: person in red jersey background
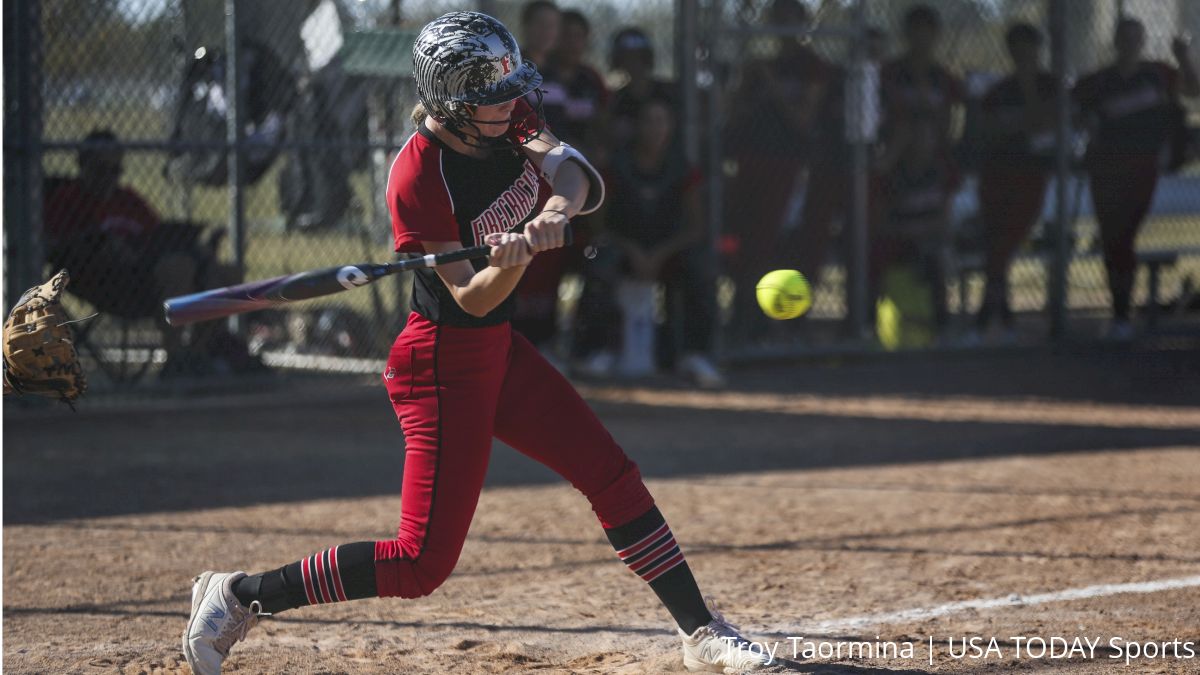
[
  {"x": 917, "y": 170},
  {"x": 575, "y": 100},
  {"x": 541, "y": 22},
  {"x": 1128, "y": 107},
  {"x": 99, "y": 230},
  {"x": 1018, "y": 147},
  {"x": 125, "y": 261},
  {"x": 771, "y": 123},
  {"x": 828, "y": 191}
]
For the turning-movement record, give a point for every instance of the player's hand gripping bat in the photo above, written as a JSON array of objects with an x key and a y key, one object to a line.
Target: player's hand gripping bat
[{"x": 256, "y": 295}]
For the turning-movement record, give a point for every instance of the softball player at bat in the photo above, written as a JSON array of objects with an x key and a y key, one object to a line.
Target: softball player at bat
[{"x": 481, "y": 168}]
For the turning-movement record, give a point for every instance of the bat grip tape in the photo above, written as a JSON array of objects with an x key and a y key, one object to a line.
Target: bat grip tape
[{"x": 435, "y": 259}]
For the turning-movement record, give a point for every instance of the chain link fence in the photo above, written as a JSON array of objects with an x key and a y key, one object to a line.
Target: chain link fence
[
  {"x": 142, "y": 201},
  {"x": 949, "y": 204},
  {"x": 118, "y": 165},
  {"x": 124, "y": 152}
]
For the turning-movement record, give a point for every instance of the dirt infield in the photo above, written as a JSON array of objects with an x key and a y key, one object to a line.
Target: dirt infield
[{"x": 874, "y": 504}]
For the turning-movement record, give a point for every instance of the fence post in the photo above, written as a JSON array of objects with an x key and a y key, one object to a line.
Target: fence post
[
  {"x": 23, "y": 126},
  {"x": 1060, "y": 260},
  {"x": 858, "y": 128},
  {"x": 686, "y": 45},
  {"x": 714, "y": 170},
  {"x": 233, "y": 142}
]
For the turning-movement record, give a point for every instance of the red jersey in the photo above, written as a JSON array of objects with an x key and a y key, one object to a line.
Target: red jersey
[
  {"x": 1130, "y": 115},
  {"x": 71, "y": 211},
  {"x": 437, "y": 194}
]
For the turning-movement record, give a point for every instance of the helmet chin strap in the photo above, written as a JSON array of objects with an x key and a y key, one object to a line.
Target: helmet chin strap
[
  {"x": 478, "y": 140},
  {"x": 490, "y": 142}
]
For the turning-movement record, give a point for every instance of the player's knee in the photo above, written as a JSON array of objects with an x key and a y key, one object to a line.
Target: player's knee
[
  {"x": 401, "y": 575},
  {"x": 432, "y": 572},
  {"x": 623, "y": 499}
]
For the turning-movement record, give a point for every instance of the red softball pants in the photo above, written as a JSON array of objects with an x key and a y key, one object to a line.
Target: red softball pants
[
  {"x": 1010, "y": 201},
  {"x": 453, "y": 390},
  {"x": 1122, "y": 190}
]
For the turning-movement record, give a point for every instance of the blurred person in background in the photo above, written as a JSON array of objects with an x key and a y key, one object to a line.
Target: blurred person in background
[
  {"x": 575, "y": 98},
  {"x": 916, "y": 165},
  {"x": 829, "y": 187},
  {"x": 1017, "y": 126},
  {"x": 770, "y": 125},
  {"x": 654, "y": 222},
  {"x": 1130, "y": 107},
  {"x": 575, "y": 94},
  {"x": 913, "y": 233},
  {"x": 632, "y": 57},
  {"x": 598, "y": 319},
  {"x": 918, "y": 91},
  {"x": 125, "y": 261},
  {"x": 541, "y": 21}
]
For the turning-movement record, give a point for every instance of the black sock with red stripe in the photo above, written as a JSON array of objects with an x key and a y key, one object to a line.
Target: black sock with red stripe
[
  {"x": 345, "y": 572},
  {"x": 647, "y": 546}
]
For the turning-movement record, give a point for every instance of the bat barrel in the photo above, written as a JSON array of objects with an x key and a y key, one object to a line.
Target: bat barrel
[
  {"x": 187, "y": 309},
  {"x": 256, "y": 295}
]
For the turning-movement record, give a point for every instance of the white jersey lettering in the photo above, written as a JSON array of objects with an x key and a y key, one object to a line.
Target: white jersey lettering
[{"x": 510, "y": 208}]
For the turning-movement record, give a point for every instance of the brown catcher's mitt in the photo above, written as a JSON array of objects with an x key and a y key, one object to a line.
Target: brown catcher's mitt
[{"x": 39, "y": 354}]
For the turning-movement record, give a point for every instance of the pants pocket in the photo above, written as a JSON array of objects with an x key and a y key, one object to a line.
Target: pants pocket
[
  {"x": 409, "y": 373},
  {"x": 399, "y": 375}
]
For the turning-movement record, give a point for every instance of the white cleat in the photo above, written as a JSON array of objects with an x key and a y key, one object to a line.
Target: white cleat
[
  {"x": 719, "y": 648},
  {"x": 218, "y": 621}
]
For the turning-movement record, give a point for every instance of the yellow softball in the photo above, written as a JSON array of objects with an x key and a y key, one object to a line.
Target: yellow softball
[{"x": 784, "y": 294}]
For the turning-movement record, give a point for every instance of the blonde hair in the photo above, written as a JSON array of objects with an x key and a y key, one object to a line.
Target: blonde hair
[{"x": 418, "y": 115}]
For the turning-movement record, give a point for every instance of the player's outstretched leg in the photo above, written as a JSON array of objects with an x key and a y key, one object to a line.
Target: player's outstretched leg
[
  {"x": 444, "y": 469},
  {"x": 566, "y": 436}
]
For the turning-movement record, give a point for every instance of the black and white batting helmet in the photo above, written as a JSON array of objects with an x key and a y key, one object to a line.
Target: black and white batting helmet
[{"x": 467, "y": 59}]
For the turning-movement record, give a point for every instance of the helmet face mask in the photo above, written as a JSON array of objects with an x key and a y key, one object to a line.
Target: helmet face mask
[{"x": 463, "y": 60}]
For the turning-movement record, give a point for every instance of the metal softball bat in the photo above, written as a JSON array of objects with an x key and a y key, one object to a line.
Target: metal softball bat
[{"x": 268, "y": 293}]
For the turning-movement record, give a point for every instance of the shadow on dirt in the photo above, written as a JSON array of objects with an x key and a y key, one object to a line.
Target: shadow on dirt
[
  {"x": 109, "y": 462},
  {"x": 1083, "y": 372},
  {"x": 868, "y": 543}
]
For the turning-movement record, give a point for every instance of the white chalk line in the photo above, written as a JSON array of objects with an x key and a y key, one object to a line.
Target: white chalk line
[{"x": 834, "y": 626}]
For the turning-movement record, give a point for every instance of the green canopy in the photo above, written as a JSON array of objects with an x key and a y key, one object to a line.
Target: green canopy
[{"x": 378, "y": 53}]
